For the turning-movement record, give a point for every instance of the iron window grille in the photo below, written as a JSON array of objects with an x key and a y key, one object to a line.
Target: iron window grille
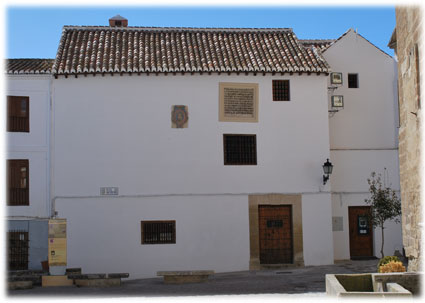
[
  {"x": 17, "y": 182},
  {"x": 240, "y": 149},
  {"x": 18, "y": 113},
  {"x": 353, "y": 81},
  {"x": 158, "y": 232},
  {"x": 18, "y": 246},
  {"x": 281, "y": 90}
]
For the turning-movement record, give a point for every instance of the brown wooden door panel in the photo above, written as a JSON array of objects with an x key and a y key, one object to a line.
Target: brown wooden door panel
[
  {"x": 361, "y": 232},
  {"x": 275, "y": 233}
]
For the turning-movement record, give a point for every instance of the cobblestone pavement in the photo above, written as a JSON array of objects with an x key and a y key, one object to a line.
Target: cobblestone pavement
[{"x": 308, "y": 281}]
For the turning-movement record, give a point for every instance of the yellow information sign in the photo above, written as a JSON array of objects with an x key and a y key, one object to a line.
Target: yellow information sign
[{"x": 57, "y": 242}]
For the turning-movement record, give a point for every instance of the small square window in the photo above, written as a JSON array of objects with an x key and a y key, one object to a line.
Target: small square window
[
  {"x": 158, "y": 232},
  {"x": 353, "y": 80},
  {"x": 18, "y": 114},
  {"x": 281, "y": 90},
  {"x": 17, "y": 182},
  {"x": 240, "y": 149}
]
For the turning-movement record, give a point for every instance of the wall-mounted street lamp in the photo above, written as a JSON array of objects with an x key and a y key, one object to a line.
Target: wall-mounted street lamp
[{"x": 327, "y": 169}]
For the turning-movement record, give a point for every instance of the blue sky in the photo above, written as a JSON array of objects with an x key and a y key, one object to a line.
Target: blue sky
[{"x": 34, "y": 32}]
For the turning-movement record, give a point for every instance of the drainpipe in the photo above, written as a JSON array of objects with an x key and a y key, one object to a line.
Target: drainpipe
[{"x": 51, "y": 208}]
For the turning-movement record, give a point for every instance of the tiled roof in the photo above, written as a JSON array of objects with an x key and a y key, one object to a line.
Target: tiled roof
[
  {"x": 99, "y": 49},
  {"x": 29, "y": 66},
  {"x": 321, "y": 44}
]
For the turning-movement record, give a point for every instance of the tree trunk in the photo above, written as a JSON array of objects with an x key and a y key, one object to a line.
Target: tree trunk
[{"x": 382, "y": 244}]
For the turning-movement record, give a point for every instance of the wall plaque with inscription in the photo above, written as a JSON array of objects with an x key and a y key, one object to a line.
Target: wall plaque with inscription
[{"x": 238, "y": 102}]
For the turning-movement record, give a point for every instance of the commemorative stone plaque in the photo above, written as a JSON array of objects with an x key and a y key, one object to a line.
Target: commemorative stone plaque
[{"x": 238, "y": 102}]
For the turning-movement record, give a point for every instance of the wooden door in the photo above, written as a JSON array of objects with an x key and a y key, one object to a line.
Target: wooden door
[
  {"x": 275, "y": 233},
  {"x": 361, "y": 232}
]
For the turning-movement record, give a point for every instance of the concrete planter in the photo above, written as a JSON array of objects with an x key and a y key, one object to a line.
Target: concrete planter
[{"x": 371, "y": 285}]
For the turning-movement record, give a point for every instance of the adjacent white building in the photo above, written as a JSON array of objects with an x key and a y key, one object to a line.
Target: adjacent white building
[
  {"x": 27, "y": 158},
  {"x": 363, "y": 139},
  {"x": 185, "y": 149}
]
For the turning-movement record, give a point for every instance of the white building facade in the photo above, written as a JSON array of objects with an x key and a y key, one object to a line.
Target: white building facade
[
  {"x": 164, "y": 173},
  {"x": 186, "y": 149}
]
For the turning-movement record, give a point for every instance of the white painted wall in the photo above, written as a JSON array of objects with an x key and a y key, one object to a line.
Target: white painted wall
[
  {"x": 104, "y": 234},
  {"x": 121, "y": 136},
  {"x": 34, "y": 145},
  {"x": 317, "y": 229},
  {"x": 369, "y": 119},
  {"x": 363, "y": 136},
  {"x": 352, "y": 168}
]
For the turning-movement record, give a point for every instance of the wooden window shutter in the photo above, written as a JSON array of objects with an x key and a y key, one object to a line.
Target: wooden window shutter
[{"x": 17, "y": 182}]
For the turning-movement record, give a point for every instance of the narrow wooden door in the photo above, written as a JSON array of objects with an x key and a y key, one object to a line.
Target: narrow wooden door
[
  {"x": 361, "y": 232},
  {"x": 275, "y": 233}
]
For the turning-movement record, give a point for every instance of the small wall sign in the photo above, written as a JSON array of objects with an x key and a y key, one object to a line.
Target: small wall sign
[
  {"x": 109, "y": 191},
  {"x": 337, "y": 101},
  {"x": 336, "y": 78}
]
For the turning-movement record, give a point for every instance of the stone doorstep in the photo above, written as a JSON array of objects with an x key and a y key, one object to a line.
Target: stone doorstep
[
  {"x": 180, "y": 277},
  {"x": 51, "y": 281}
]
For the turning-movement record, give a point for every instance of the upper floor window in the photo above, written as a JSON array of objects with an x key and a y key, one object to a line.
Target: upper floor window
[
  {"x": 281, "y": 90},
  {"x": 18, "y": 114},
  {"x": 240, "y": 149},
  {"x": 17, "y": 182},
  {"x": 353, "y": 80}
]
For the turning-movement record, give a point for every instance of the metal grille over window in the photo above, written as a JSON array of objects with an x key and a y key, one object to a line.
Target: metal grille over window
[
  {"x": 18, "y": 114},
  {"x": 240, "y": 149},
  {"x": 17, "y": 182},
  {"x": 158, "y": 232},
  {"x": 17, "y": 241},
  {"x": 281, "y": 90}
]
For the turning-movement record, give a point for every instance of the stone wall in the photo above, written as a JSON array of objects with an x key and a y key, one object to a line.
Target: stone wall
[{"x": 408, "y": 49}]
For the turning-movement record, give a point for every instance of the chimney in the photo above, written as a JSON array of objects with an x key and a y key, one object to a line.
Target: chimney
[{"x": 118, "y": 21}]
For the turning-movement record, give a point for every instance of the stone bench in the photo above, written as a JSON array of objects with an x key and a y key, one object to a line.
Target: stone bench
[
  {"x": 180, "y": 277},
  {"x": 98, "y": 280},
  {"x": 34, "y": 278},
  {"x": 17, "y": 285}
]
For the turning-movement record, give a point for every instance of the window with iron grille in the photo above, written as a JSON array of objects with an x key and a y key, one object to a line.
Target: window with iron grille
[
  {"x": 18, "y": 114},
  {"x": 18, "y": 243},
  {"x": 240, "y": 149},
  {"x": 353, "y": 80},
  {"x": 281, "y": 90},
  {"x": 17, "y": 182},
  {"x": 158, "y": 232}
]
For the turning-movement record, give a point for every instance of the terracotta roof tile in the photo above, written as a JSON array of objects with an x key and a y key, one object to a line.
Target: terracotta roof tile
[
  {"x": 140, "y": 50},
  {"x": 29, "y": 66},
  {"x": 321, "y": 44}
]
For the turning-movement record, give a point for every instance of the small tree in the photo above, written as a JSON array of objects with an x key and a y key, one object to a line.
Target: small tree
[{"x": 385, "y": 204}]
